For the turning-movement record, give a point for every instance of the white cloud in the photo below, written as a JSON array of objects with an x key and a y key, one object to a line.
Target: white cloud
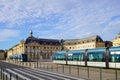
[
  {"x": 67, "y": 18},
  {"x": 111, "y": 29},
  {"x": 7, "y": 34}
]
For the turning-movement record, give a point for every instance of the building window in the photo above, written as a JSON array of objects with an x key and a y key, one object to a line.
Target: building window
[
  {"x": 92, "y": 40},
  {"x": 87, "y": 41},
  {"x": 51, "y": 47},
  {"x": 44, "y": 47}
]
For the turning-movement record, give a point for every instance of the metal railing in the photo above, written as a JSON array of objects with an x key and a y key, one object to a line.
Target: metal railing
[
  {"x": 6, "y": 75},
  {"x": 88, "y": 73}
]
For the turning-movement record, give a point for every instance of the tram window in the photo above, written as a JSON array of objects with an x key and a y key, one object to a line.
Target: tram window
[
  {"x": 54, "y": 57},
  {"x": 61, "y": 57},
  {"x": 115, "y": 58},
  {"x": 118, "y": 58},
  {"x": 80, "y": 57},
  {"x": 75, "y": 57},
  {"x": 96, "y": 56},
  {"x": 112, "y": 58},
  {"x": 91, "y": 57},
  {"x": 70, "y": 58},
  {"x": 58, "y": 57}
]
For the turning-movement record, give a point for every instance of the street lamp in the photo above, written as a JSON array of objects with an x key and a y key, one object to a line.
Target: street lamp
[
  {"x": 5, "y": 54},
  {"x": 37, "y": 58},
  {"x": 61, "y": 44},
  {"x": 67, "y": 56},
  {"x": 34, "y": 53}
]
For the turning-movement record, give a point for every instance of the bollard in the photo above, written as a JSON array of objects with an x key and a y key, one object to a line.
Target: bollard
[
  {"x": 1, "y": 73},
  {"x": 47, "y": 66},
  {"x": 116, "y": 73},
  {"x": 88, "y": 71},
  {"x": 6, "y": 76},
  {"x": 25, "y": 64},
  {"x": 63, "y": 68},
  {"x": 16, "y": 77},
  {"x": 10, "y": 76},
  {"x": 69, "y": 69},
  {"x": 100, "y": 74},
  {"x": 40, "y": 65},
  {"x": 52, "y": 67},
  {"x": 30, "y": 65},
  {"x": 57, "y": 67},
  {"x": 78, "y": 70}
]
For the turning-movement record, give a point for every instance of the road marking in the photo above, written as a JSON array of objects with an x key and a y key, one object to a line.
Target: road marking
[
  {"x": 30, "y": 74},
  {"x": 39, "y": 74},
  {"x": 59, "y": 74},
  {"x": 47, "y": 74},
  {"x": 18, "y": 74}
]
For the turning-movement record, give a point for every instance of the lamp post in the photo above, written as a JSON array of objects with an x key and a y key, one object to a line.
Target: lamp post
[
  {"x": 61, "y": 44},
  {"x": 34, "y": 53},
  {"x": 67, "y": 57},
  {"x": 5, "y": 54},
  {"x": 37, "y": 59}
]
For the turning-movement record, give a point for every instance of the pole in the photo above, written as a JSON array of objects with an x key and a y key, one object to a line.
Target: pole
[
  {"x": 100, "y": 74},
  {"x": 10, "y": 76},
  {"x": 1, "y": 73},
  {"x": 88, "y": 71},
  {"x": 37, "y": 59},
  {"x": 116, "y": 73}
]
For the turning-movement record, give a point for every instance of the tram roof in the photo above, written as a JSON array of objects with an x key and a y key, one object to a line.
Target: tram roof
[
  {"x": 117, "y": 48},
  {"x": 96, "y": 49},
  {"x": 77, "y": 51}
]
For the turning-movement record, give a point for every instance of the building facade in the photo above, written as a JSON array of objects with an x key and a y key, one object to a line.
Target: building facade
[
  {"x": 85, "y": 43},
  {"x": 116, "y": 40},
  {"x": 3, "y": 54},
  {"x": 42, "y": 49},
  {"x": 36, "y": 48}
]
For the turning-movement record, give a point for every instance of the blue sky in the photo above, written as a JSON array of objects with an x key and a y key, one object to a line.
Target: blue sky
[{"x": 58, "y": 19}]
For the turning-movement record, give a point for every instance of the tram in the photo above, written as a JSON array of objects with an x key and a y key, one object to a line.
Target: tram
[
  {"x": 97, "y": 57},
  {"x": 19, "y": 57}
]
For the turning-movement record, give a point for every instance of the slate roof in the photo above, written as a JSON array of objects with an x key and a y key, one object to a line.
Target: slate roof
[
  {"x": 84, "y": 40},
  {"x": 2, "y": 51},
  {"x": 42, "y": 41}
]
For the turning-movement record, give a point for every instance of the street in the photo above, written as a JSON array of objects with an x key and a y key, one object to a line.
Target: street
[{"x": 25, "y": 73}]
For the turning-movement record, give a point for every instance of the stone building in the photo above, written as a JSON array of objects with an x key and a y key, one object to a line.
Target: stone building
[
  {"x": 42, "y": 49},
  {"x": 36, "y": 48},
  {"x": 116, "y": 40},
  {"x": 3, "y": 54},
  {"x": 85, "y": 43}
]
